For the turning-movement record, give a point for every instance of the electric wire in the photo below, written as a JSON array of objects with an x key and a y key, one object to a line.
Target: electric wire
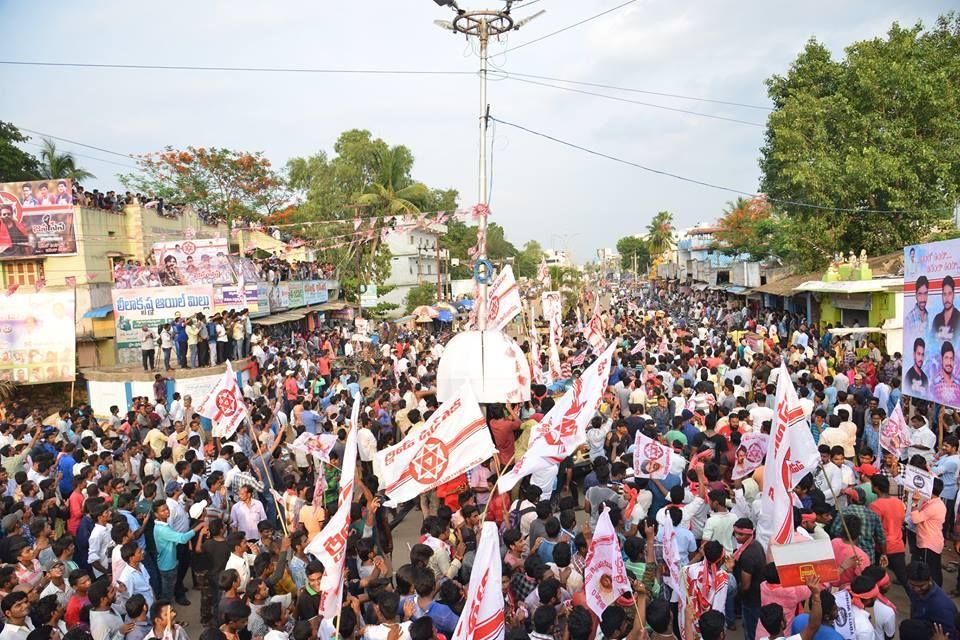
[
  {"x": 639, "y": 102},
  {"x": 710, "y": 185},
  {"x": 572, "y": 26},
  {"x": 184, "y": 67}
]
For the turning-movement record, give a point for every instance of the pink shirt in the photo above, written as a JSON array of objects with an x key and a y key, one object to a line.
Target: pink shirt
[
  {"x": 843, "y": 550},
  {"x": 787, "y": 597},
  {"x": 929, "y": 520}
]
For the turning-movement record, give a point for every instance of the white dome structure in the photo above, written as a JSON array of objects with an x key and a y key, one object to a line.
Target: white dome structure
[{"x": 490, "y": 361}]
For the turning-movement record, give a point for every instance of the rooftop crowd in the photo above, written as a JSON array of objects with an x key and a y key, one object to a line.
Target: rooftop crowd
[{"x": 111, "y": 524}]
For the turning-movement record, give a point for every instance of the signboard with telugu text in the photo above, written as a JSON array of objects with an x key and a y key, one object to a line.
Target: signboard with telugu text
[
  {"x": 153, "y": 307},
  {"x": 38, "y": 336}
]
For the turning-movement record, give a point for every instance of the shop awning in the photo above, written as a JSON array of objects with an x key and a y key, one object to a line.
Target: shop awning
[
  {"x": 331, "y": 306},
  {"x": 853, "y": 286},
  {"x": 99, "y": 312},
  {"x": 735, "y": 289}
]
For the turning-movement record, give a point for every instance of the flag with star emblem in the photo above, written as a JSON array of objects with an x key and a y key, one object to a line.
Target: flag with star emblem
[
  {"x": 483, "y": 612},
  {"x": 453, "y": 440},
  {"x": 564, "y": 428}
]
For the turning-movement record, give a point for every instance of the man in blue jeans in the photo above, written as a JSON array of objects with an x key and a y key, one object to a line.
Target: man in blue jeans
[{"x": 166, "y": 540}]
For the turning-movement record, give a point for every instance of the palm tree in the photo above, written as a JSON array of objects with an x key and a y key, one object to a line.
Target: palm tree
[
  {"x": 391, "y": 193},
  {"x": 660, "y": 233},
  {"x": 57, "y": 166}
]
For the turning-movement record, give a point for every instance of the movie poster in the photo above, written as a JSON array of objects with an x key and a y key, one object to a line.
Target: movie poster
[
  {"x": 931, "y": 324},
  {"x": 38, "y": 336},
  {"x": 36, "y": 219}
]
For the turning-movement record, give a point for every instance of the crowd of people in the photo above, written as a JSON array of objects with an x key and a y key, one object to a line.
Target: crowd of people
[{"x": 107, "y": 520}]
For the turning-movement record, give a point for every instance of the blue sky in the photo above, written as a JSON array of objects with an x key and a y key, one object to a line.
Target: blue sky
[{"x": 718, "y": 50}]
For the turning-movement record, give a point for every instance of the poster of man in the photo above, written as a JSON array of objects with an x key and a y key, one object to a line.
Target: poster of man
[
  {"x": 194, "y": 261},
  {"x": 931, "y": 332},
  {"x": 36, "y": 219}
]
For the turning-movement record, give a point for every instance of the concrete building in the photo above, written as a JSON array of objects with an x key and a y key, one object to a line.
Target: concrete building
[
  {"x": 104, "y": 238},
  {"x": 557, "y": 258},
  {"x": 416, "y": 259}
]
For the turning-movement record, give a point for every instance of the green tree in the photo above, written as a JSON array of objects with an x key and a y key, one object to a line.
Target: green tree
[
  {"x": 364, "y": 177},
  {"x": 223, "y": 182},
  {"x": 875, "y": 131},
  {"x": 421, "y": 294},
  {"x": 57, "y": 166},
  {"x": 528, "y": 259},
  {"x": 660, "y": 233},
  {"x": 15, "y": 163},
  {"x": 630, "y": 246}
]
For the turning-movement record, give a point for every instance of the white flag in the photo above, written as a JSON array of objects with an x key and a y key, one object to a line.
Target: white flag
[
  {"x": 453, "y": 440},
  {"x": 594, "y": 330},
  {"x": 503, "y": 300},
  {"x": 543, "y": 274},
  {"x": 318, "y": 445},
  {"x": 224, "y": 405},
  {"x": 330, "y": 545},
  {"x": 605, "y": 576},
  {"x": 895, "y": 434},
  {"x": 650, "y": 458},
  {"x": 671, "y": 554},
  {"x": 791, "y": 454},
  {"x": 482, "y": 617},
  {"x": 563, "y": 429},
  {"x": 750, "y": 453},
  {"x": 640, "y": 346}
]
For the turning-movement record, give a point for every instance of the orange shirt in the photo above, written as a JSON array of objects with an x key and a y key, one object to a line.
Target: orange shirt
[{"x": 892, "y": 513}]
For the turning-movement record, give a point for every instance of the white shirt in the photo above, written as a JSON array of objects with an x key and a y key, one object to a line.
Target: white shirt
[
  {"x": 176, "y": 411},
  {"x": 239, "y": 564},
  {"x": 884, "y": 621},
  {"x": 381, "y": 631},
  {"x": 367, "y": 445},
  {"x": 100, "y": 546},
  {"x": 13, "y": 632},
  {"x": 759, "y": 415},
  {"x": 923, "y": 437},
  {"x": 862, "y": 626},
  {"x": 179, "y": 520},
  {"x": 137, "y": 581}
]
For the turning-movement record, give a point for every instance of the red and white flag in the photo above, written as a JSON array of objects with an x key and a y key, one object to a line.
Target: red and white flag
[
  {"x": 483, "y": 612},
  {"x": 791, "y": 454},
  {"x": 70, "y": 281},
  {"x": 604, "y": 575},
  {"x": 640, "y": 346},
  {"x": 564, "y": 428},
  {"x": 578, "y": 359},
  {"x": 671, "y": 555},
  {"x": 536, "y": 370},
  {"x": 453, "y": 440},
  {"x": 224, "y": 405},
  {"x": 318, "y": 445},
  {"x": 650, "y": 458},
  {"x": 543, "y": 274},
  {"x": 750, "y": 453},
  {"x": 555, "y": 369},
  {"x": 330, "y": 545},
  {"x": 503, "y": 300},
  {"x": 594, "y": 330},
  {"x": 895, "y": 434}
]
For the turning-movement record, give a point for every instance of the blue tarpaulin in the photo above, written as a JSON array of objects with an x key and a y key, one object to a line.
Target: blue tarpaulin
[{"x": 99, "y": 312}]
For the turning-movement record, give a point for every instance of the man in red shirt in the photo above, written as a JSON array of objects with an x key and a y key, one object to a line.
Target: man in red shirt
[
  {"x": 290, "y": 392},
  {"x": 892, "y": 514},
  {"x": 503, "y": 430},
  {"x": 323, "y": 367}
]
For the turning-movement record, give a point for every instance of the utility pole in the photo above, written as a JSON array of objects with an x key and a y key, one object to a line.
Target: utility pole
[
  {"x": 439, "y": 268},
  {"x": 483, "y": 24}
]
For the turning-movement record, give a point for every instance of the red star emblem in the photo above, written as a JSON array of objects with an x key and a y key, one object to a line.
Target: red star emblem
[{"x": 428, "y": 466}]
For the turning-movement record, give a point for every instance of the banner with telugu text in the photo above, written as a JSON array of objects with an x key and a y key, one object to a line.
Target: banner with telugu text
[
  {"x": 37, "y": 219},
  {"x": 152, "y": 307}
]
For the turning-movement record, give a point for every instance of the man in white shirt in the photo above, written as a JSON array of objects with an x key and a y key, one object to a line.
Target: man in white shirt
[
  {"x": 176, "y": 409},
  {"x": 17, "y": 613},
  {"x": 366, "y": 444},
  {"x": 238, "y": 559},
  {"x": 103, "y": 621},
  {"x": 134, "y": 575},
  {"x": 101, "y": 543},
  {"x": 922, "y": 439}
]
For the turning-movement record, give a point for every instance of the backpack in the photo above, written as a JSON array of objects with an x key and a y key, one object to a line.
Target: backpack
[{"x": 516, "y": 514}]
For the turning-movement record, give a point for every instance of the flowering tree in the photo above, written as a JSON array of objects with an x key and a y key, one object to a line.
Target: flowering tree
[{"x": 223, "y": 183}]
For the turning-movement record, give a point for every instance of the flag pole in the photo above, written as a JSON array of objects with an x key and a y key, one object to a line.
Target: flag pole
[
  {"x": 496, "y": 485},
  {"x": 836, "y": 502},
  {"x": 256, "y": 440}
]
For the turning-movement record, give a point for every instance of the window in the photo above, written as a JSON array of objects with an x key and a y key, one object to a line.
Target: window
[{"x": 22, "y": 272}]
